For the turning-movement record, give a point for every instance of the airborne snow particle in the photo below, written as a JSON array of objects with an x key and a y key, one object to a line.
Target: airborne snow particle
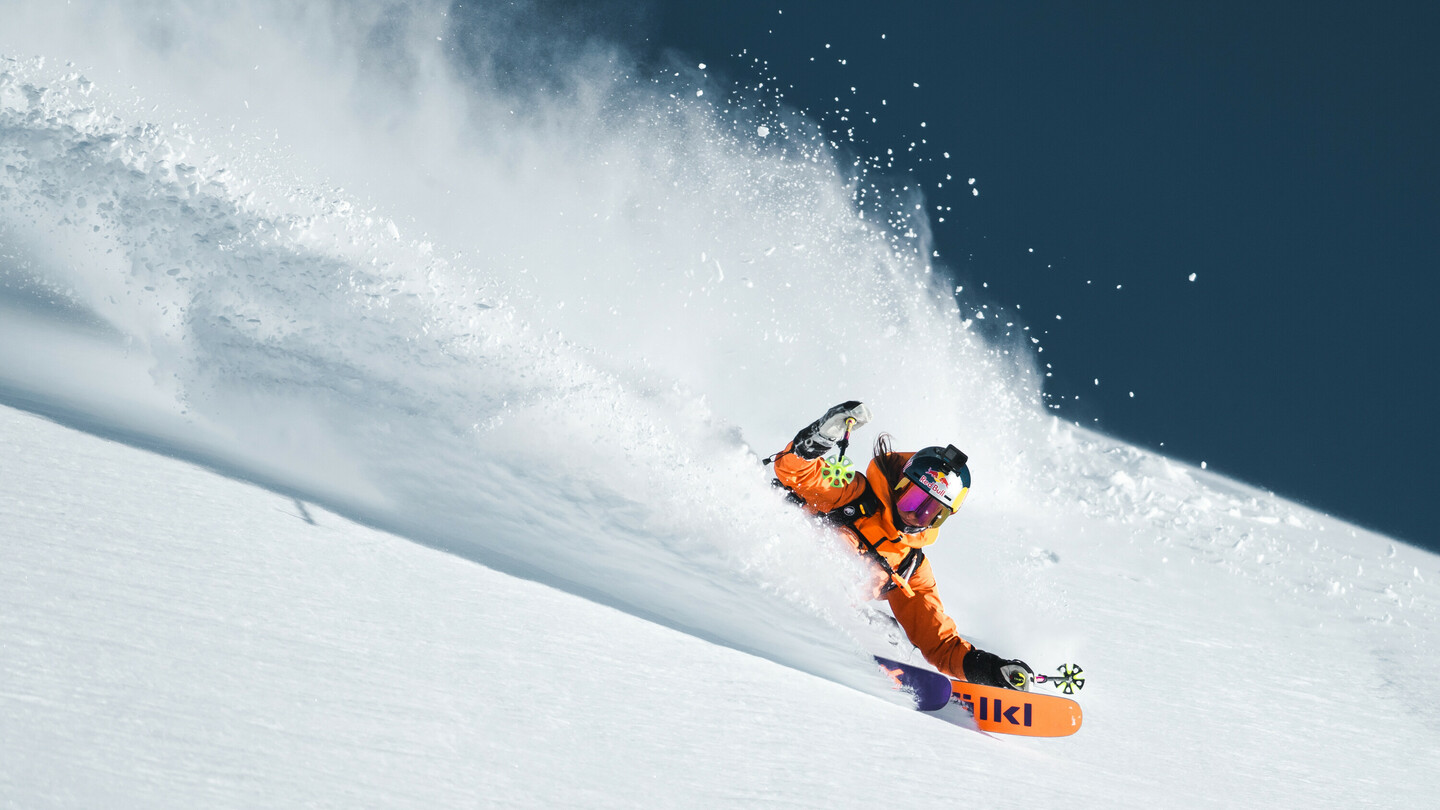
[
  {"x": 917, "y": 84},
  {"x": 1202, "y": 465},
  {"x": 699, "y": 93},
  {"x": 702, "y": 65},
  {"x": 763, "y": 131},
  {"x": 975, "y": 192},
  {"x": 1192, "y": 276}
]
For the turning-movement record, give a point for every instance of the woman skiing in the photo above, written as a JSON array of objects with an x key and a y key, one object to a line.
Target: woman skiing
[{"x": 890, "y": 514}]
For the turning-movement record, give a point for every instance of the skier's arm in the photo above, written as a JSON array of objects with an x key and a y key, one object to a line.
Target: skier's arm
[
  {"x": 802, "y": 477},
  {"x": 799, "y": 465},
  {"x": 924, "y": 620},
  {"x": 817, "y": 438}
]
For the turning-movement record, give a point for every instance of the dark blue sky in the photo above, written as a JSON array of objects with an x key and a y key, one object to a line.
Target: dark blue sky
[{"x": 1284, "y": 153}]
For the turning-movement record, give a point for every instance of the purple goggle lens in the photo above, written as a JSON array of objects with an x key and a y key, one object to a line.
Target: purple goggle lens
[{"x": 916, "y": 507}]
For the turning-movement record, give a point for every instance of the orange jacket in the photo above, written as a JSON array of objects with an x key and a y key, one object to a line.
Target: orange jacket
[{"x": 919, "y": 610}]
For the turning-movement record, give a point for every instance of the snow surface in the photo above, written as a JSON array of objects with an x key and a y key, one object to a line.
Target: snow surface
[{"x": 446, "y": 490}]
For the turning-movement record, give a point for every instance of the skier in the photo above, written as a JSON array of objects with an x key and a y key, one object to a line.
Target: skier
[{"x": 890, "y": 514}]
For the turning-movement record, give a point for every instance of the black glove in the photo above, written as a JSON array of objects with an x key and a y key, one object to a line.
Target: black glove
[
  {"x": 989, "y": 669},
  {"x": 816, "y": 439}
]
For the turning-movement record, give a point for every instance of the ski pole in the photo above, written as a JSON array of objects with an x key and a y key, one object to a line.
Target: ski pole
[
  {"x": 840, "y": 472},
  {"x": 844, "y": 443},
  {"x": 1069, "y": 679}
]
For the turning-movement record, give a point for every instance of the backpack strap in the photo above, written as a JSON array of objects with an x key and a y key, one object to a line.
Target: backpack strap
[
  {"x": 907, "y": 566},
  {"x": 863, "y": 506},
  {"x": 899, "y": 576}
]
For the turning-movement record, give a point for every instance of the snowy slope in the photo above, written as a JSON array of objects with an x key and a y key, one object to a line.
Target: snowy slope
[
  {"x": 175, "y": 639},
  {"x": 478, "y": 515}
]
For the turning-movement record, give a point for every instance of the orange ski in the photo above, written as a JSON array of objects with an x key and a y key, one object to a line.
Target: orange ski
[{"x": 1027, "y": 714}]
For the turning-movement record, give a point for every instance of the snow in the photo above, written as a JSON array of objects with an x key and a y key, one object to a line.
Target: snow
[
  {"x": 178, "y": 638},
  {"x": 315, "y": 496},
  {"x": 175, "y": 638}
]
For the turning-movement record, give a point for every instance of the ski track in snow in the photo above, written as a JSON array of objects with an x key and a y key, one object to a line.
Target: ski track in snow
[{"x": 175, "y": 638}]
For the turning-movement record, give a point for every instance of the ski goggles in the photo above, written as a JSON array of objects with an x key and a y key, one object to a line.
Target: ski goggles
[{"x": 919, "y": 509}]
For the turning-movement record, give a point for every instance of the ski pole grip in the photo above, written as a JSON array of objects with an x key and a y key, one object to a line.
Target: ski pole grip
[{"x": 844, "y": 442}]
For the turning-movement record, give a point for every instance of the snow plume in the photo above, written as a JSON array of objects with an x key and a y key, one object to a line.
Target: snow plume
[{"x": 544, "y": 316}]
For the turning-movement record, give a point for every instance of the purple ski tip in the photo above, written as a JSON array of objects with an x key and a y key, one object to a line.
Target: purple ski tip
[{"x": 930, "y": 688}]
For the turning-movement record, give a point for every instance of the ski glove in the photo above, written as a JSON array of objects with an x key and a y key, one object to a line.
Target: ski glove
[
  {"x": 816, "y": 439},
  {"x": 988, "y": 669}
]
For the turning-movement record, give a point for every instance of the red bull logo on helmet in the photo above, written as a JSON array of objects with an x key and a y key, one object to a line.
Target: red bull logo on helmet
[{"x": 936, "y": 483}]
